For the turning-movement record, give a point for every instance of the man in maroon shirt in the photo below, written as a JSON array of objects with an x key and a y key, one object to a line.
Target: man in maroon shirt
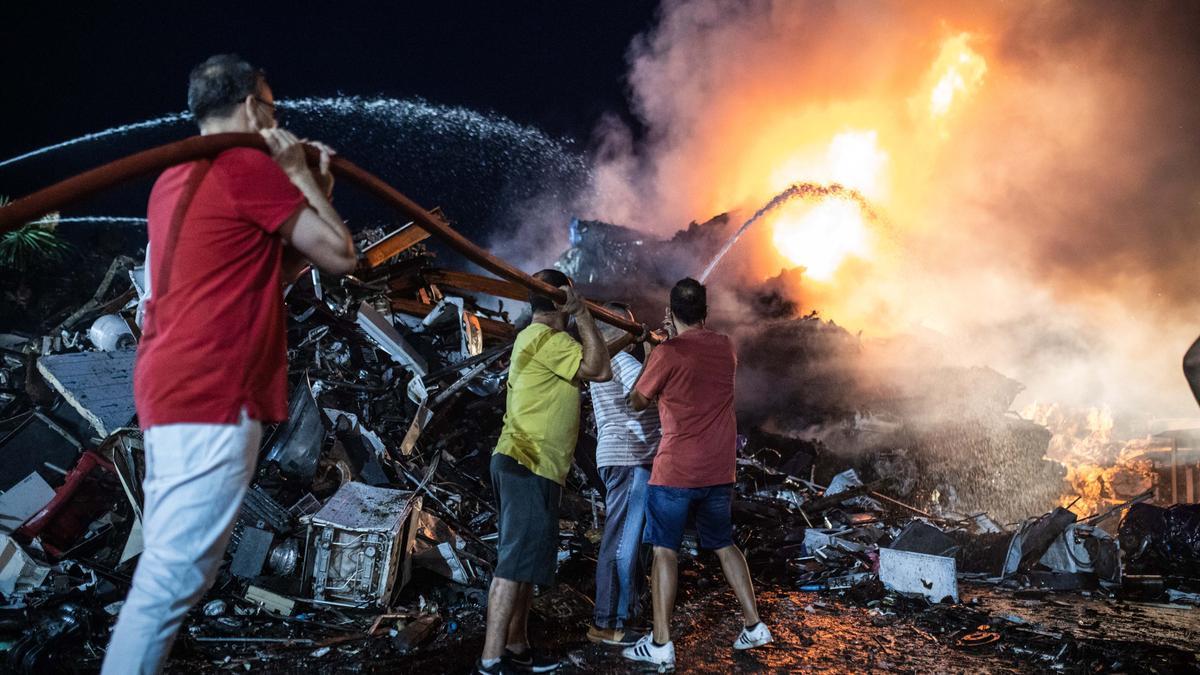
[
  {"x": 691, "y": 375},
  {"x": 211, "y": 366}
]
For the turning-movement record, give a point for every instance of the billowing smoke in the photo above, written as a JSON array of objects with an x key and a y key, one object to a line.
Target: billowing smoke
[{"x": 1038, "y": 165}]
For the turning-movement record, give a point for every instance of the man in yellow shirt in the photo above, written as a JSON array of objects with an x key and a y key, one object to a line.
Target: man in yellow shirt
[{"x": 531, "y": 461}]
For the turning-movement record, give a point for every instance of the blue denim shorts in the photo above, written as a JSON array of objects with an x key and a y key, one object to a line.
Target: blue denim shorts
[{"x": 669, "y": 510}]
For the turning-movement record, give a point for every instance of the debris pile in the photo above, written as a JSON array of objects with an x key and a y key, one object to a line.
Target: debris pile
[
  {"x": 369, "y": 529},
  {"x": 378, "y": 476}
]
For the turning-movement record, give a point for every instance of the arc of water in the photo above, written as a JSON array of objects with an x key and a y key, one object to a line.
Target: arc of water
[
  {"x": 132, "y": 220},
  {"x": 799, "y": 190},
  {"x": 73, "y": 189},
  {"x": 114, "y": 131}
]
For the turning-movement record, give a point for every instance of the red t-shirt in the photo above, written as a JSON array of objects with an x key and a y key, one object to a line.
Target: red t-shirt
[
  {"x": 214, "y": 338},
  {"x": 692, "y": 377}
]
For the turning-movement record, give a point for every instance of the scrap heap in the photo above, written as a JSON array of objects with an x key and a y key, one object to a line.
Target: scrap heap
[
  {"x": 378, "y": 477},
  {"x": 369, "y": 530}
]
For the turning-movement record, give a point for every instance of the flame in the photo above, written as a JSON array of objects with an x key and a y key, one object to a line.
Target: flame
[
  {"x": 820, "y": 237},
  {"x": 957, "y": 73},
  {"x": 1103, "y": 469},
  {"x": 856, "y": 161}
]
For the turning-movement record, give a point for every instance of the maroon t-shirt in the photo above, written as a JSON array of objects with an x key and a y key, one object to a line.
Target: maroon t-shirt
[
  {"x": 213, "y": 336},
  {"x": 692, "y": 377}
]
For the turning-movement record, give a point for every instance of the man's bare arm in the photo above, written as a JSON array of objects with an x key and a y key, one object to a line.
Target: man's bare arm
[
  {"x": 619, "y": 344},
  {"x": 637, "y": 402},
  {"x": 316, "y": 231},
  {"x": 595, "y": 365}
]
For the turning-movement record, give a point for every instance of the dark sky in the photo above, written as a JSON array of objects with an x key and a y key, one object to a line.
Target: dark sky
[{"x": 72, "y": 69}]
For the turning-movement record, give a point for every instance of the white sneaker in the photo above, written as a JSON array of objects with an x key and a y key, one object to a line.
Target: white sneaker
[
  {"x": 645, "y": 651},
  {"x": 753, "y": 637}
]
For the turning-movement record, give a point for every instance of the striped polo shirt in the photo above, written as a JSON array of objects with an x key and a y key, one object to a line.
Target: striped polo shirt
[{"x": 624, "y": 437}]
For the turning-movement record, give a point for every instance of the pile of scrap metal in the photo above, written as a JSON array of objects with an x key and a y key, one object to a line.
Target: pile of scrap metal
[
  {"x": 855, "y": 539},
  {"x": 378, "y": 477},
  {"x": 1163, "y": 542},
  {"x": 369, "y": 529}
]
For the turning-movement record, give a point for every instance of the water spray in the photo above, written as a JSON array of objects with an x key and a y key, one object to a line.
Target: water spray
[
  {"x": 111, "y": 220},
  {"x": 806, "y": 191},
  {"x": 147, "y": 162},
  {"x": 114, "y": 131}
]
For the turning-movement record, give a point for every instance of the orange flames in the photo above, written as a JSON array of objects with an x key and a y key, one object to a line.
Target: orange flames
[
  {"x": 1102, "y": 469},
  {"x": 821, "y": 237}
]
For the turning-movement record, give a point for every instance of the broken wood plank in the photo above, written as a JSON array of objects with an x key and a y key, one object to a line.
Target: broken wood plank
[
  {"x": 394, "y": 244},
  {"x": 476, "y": 283}
]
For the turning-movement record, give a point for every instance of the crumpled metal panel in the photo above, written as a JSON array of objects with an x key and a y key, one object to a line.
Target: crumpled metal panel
[
  {"x": 297, "y": 444},
  {"x": 384, "y": 334}
]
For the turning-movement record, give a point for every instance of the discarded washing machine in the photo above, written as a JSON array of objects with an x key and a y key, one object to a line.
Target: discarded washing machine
[{"x": 359, "y": 545}]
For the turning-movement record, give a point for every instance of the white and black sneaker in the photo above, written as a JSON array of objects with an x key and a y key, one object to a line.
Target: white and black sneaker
[
  {"x": 755, "y": 636},
  {"x": 662, "y": 657}
]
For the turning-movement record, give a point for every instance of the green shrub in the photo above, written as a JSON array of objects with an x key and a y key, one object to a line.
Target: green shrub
[{"x": 32, "y": 244}]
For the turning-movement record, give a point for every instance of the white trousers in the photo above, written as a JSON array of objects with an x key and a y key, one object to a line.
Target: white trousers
[{"x": 196, "y": 477}]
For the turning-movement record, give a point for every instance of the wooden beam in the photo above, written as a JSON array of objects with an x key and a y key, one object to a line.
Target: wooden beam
[
  {"x": 476, "y": 283},
  {"x": 1174, "y": 470},
  {"x": 394, "y": 244}
]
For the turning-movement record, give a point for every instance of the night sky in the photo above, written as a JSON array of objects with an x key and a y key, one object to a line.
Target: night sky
[{"x": 70, "y": 70}]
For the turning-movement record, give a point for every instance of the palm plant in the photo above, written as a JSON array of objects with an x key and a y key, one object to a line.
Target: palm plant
[{"x": 32, "y": 243}]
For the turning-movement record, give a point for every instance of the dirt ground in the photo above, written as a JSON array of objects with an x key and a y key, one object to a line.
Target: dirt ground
[{"x": 992, "y": 630}]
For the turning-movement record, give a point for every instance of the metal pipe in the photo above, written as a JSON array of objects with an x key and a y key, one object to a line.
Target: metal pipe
[{"x": 88, "y": 183}]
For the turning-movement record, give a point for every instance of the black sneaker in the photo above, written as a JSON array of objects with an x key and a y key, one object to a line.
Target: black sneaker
[
  {"x": 531, "y": 660},
  {"x": 500, "y": 667}
]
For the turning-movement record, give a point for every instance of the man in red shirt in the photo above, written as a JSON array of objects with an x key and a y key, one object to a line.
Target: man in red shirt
[
  {"x": 691, "y": 375},
  {"x": 211, "y": 366}
]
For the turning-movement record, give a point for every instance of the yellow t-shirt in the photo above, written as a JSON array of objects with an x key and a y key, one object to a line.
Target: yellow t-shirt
[{"x": 541, "y": 423}]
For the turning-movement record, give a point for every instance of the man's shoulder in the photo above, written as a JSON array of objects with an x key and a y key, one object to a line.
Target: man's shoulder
[
  {"x": 541, "y": 334},
  {"x": 694, "y": 344},
  {"x": 714, "y": 340},
  {"x": 531, "y": 334},
  {"x": 540, "y": 339},
  {"x": 245, "y": 159},
  {"x": 697, "y": 339},
  {"x": 169, "y": 178}
]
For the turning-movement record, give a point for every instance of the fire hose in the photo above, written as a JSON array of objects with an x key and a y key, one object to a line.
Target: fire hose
[{"x": 147, "y": 162}]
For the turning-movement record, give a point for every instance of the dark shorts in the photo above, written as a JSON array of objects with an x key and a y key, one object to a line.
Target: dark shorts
[
  {"x": 528, "y": 506},
  {"x": 669, "y": 509}
]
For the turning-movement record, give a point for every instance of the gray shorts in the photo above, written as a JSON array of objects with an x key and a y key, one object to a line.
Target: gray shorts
[{"x": 528, "y": 506}]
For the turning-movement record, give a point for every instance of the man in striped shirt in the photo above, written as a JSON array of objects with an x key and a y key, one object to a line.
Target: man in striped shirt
[{"x": 625, "y": 447}]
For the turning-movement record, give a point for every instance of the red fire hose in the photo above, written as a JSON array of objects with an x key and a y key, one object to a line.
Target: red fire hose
[{"x": 155, "y": 160}]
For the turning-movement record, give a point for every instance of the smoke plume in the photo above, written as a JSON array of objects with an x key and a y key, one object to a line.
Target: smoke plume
[{"x": 1038, "y": 166}]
